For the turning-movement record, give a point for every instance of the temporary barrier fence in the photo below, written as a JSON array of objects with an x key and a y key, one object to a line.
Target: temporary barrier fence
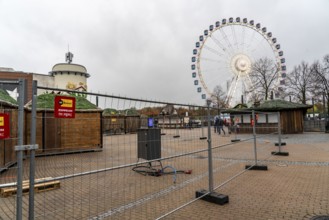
[
  {"x": 14, "y": 134},
  {"x": 148, "y": 173}
]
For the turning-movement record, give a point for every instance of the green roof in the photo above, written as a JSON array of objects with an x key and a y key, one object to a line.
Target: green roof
[
  {"x": 110, "y": 111},
  {"x": 278, "y": 104},
  {"x": 5, "y": 97},
  {"x": 46, "y": 101},
  {"x": 240, "y": 106},
  {"x": 269, "y": 105}
]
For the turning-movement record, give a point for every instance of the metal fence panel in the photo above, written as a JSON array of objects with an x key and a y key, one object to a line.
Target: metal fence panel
[{"x": 86, "y": 169}]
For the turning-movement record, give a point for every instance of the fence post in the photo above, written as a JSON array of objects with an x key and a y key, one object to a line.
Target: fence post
[
  {"x": 176, "y": 130},
  {"x": 203, "y": 137},
  {"x": 279, "y": 143},
  {"x": 235, "y": 126},
  {"x": 19, "y": 154},
  {"x": 32, "y": 152},
  {"x": 210, "y": 195},
  {"x": 254, "y": 134},
  {"x": 255, "y": 166},
  {"x": 210, "y": 169}
]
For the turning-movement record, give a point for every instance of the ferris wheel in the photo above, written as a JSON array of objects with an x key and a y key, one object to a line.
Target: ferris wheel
[{"x": 223, "y": 58}]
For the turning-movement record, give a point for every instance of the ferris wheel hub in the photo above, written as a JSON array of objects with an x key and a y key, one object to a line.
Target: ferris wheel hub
[{"x": 241, "y": 64}]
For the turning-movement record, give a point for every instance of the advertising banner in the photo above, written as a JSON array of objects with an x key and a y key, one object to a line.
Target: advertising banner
[
  {"x": 64, "y": 107},
  {"x": 4, "y": 126}
]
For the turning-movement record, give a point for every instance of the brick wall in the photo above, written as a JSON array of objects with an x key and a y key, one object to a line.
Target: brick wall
[{"x": 20, "y": 75}]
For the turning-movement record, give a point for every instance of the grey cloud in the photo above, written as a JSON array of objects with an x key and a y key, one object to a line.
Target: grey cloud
[{"x": 143, "y": 48}]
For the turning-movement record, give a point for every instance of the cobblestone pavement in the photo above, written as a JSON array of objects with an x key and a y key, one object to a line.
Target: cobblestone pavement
[{"x": 293, "y": 187}]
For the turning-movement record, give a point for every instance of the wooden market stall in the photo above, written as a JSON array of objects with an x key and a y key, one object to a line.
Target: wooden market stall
[
  {"x": 58, "y": 135},
  {"x": 7, "y": 145},
  {"x": 121, "y": 124},
  {"x": 291, "y": 117}
]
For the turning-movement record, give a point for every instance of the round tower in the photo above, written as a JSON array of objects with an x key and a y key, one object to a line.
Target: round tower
[{"x": 70, "y": 76}]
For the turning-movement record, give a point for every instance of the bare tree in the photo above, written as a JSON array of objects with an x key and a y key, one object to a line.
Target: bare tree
[
  {"x": 321, "y": 72},
  {"x": 300, "y": 82},
  {"x": 263, "y": 74},
  {"x": 219, "y": 97}
]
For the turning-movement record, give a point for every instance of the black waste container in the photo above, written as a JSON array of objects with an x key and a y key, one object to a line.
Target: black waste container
[{"x": 149, "y": 143}]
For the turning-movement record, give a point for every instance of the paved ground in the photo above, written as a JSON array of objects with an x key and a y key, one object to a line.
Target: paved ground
[{"x": 293, "y": 187}]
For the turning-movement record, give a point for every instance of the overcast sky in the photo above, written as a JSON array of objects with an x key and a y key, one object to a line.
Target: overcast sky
[{"x": 143, "y": 48}]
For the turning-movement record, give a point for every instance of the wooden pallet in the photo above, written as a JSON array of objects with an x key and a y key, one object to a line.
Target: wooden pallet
[{"x": 38, "y": 187}]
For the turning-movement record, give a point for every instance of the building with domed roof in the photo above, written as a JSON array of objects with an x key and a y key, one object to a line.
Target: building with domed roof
[
  {"x": 70, "y": 76},
  {"x": 62, "y": 76}
]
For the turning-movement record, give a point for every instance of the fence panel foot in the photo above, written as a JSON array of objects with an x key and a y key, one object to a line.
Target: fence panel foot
[
  {"x": 212, "y": 197},
  {"x": 256, "y": 167},
  {"x": 280, "y": 153}
]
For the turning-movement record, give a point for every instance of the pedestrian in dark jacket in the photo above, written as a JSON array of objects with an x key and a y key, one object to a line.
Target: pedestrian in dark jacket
[
  {"x": 221, "y": 126},
  {"x": 216, "y": 124}
]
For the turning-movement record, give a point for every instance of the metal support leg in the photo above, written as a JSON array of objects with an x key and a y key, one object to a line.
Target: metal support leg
[
  {"x": 279, "y": 143},
  {"x": 210, "y": 195},
  {"x": 255, "y": 166},
  {"x": 19, "y": 154}
]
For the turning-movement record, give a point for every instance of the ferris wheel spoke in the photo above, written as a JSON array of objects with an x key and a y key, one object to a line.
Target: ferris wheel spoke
[
  {"x": 221, "y": 46},
  {"x": 212, "y": 50},
  {"x": 258, "y": 49},
  {"x": 211, "y": 60},
  {"x": 220, "y": 60},
  {"x": 249, "y": 84},
  {"x": 212, "y": 70},
  {"x": 251, "y": 39},
  {"x": 232, "y": 89},
  {"x": 233, "y": 81},
  {"x": 227, "y": 41},
  {"x": 211, "y": 73},
  {"x": 242, "y": 38},
  {"x": 234, "y": 37},
  {"x": 259, "y": 43},
  {"x": 250, "y": 88},
  {"x": 209, "y": 79}
]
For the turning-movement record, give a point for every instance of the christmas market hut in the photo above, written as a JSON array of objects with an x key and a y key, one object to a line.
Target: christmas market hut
[
  {"x": 267, "y": 113},
  {"x": 120, "y": 121},
  {"x": 56, "y": 135},
  {"x": 9, "y": 138}
]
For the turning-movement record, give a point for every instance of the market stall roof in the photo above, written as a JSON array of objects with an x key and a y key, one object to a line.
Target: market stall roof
[
  {"x": 46, "y": 102},
  {"x": 278, "y": 105},
  {"x": 268, "y": 106},
  {"x": 6, "y": 99}
]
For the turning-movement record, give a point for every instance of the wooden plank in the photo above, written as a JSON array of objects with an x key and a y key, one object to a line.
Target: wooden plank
[{"x": 39, "y": 187}]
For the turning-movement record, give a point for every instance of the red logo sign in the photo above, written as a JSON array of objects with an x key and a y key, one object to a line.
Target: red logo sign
[
  {"x": 64, "y": 107},
  {"x": 4, "y": 126}
]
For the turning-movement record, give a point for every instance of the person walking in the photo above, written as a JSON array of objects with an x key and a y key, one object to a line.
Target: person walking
[
  {"x": 216, "y": 124},
  {"x": 221, "y": 126}
]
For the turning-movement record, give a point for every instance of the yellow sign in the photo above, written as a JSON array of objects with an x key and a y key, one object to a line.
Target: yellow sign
[
  {"x": 2, "y": 121},
  {"x": 68, "y": 103}
]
